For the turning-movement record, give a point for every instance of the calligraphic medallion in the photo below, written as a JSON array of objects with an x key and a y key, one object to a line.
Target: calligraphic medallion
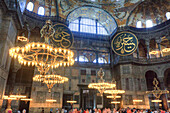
[
  {"x": 63, "y": 37},
  {"x": 124, "y": 43}
]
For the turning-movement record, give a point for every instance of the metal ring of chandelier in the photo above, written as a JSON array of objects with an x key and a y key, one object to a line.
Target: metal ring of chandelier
[{"x": 43, "y": 56}]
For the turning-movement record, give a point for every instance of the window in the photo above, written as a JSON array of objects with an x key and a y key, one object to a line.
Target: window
[
  {"x": 41, "y": 11},
  {"x": 127, "y": 84},
  {"x": 101, "y": 30},
  {"x": 149, "y": 23},
  {"x": 83, "y": 72},
  {"x": 22, "y": 4},
  {"x": 101, "y": 60},
  {"x": 139, "y": 24},
  {"x": 30, "y": 6},
  {"x": 93, "y": 72},
  {"x": 74, "y": 25},
  {"x": 82, "y": 59},
  {"x": 87, "y": 26},
  {"x": 168, "y": 15}
]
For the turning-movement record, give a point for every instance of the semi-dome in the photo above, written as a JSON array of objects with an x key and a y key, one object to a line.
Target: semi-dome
[{"x": 149, "y": 13}]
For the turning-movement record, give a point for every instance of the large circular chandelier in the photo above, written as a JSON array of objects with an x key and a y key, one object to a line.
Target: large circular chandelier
[
  {"x": 43, "y": 56},
  {"x": 101, "y": 86},
  {"x": 50, "y": 80}
]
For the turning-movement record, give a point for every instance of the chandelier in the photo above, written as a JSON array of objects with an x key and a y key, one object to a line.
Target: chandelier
[
  {"x": 166, "y": 50},
  {"x": 153, "y": 52},
  {"x": 157, "y": 92},
  {"x": 115, "y": 102},
  {"x": 50, "y": 80},
  {"x": 113, "y": 96},
  {"x": 22, "y": 38},
  {"x": 43, "y": 56},
  {"x": 101, "y": 86}
]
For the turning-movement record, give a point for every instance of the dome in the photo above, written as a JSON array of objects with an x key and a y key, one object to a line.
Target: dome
[
  {"x": 63, "y": 7},
  {"x": 149, "y": 13}
]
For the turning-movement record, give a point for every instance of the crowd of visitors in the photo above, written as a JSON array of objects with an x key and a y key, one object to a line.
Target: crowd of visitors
[{"x": 108, "y": 110}]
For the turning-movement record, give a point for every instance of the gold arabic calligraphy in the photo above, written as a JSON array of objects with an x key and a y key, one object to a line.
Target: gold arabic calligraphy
[
  {"x": 62, "y": 36},
  {"x": 124, "y": 43}
]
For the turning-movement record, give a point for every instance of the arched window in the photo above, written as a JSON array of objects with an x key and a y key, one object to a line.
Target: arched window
[
  {"x": 139, "y": 24},
  {"x": 168, "y": 15},
  {"x": 22, "y": 4},
  {"x": 87, "y": 26},
  {"x": 101, "y": 60},
  {"x": 41, "y": 10},
  {"x": 30, "y": 6},
  {"x": 149, "y": 23},
  {"x": 82, "y": 59}
]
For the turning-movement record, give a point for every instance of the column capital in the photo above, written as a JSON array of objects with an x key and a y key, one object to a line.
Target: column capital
[
  {"x": 158, "y": 41},
  {"x": 147, "y": 41}
]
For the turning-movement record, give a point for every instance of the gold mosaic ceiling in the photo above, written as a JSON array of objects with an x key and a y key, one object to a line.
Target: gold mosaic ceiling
[{"x": 120, "y": 10}]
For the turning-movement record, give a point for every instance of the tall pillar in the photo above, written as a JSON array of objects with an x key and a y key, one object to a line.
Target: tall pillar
[
  {"x": 77, "y": 56},
  {"x": 138, "y": 52},
  {"x": 147, "y": 45},
  {"x": 97, "y": 58},
  {"x": 158, "y": 41}
]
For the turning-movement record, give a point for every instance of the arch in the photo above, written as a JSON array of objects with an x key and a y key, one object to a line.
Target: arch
[
  {"x": 142, "y": 49},
  {"x": 150, "y": 75},
  {"x": 103, "y": 17},
  {"x": 41, "y": 10},
  {"x": 30, "y": 6},
  {"x": 167, "y": 78},
  {"x": 101, "y": 60},
  {"x": 153, "y": 47},
  {"x": 82, "y": 59}
]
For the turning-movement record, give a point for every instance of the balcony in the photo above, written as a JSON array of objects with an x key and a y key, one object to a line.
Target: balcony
[{"x": 131, "y": 59}]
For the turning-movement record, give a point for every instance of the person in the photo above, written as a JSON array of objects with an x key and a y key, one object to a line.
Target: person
[
  {"x": 128, "y": 110},
  {"x": 95, "y": 110},
  {"x": 24, "y": 111},
  {"x": 42, "y": 111},
  {"x": 90, "y": 111},
  {"x": 134, "y": 110},
  {"x": 87, "y": 111}
]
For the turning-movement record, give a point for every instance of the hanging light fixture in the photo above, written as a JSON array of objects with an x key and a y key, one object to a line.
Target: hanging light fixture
[
  {"x": 157, "y": 92},
  {"x": 50, "y": 80},
  {"x": 43, "y": 56},
  {"x": 101, "y": 86}
]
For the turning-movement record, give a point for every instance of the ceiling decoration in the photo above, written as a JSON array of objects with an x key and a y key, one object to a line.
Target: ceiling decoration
[
  {"x": 154, "y": 10},
  {"x": 116, "y": 8}
]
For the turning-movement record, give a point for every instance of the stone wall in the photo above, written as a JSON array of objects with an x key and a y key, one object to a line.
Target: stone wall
[
  {"x": 8, "y": 32},
  {"x": 133, "y": 81}
]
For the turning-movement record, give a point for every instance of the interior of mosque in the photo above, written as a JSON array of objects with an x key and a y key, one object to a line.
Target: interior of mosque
[{"x": 92, "y": 25}]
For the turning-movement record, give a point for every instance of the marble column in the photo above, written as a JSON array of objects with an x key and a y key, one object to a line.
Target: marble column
[
  {"x": 158, "y": 41},
  {"x": 97, "y": 58},
  {"x": 77, "y": 56},
  {"x": 148, "y": 49},
  {"x": 138, "y": 52}
]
